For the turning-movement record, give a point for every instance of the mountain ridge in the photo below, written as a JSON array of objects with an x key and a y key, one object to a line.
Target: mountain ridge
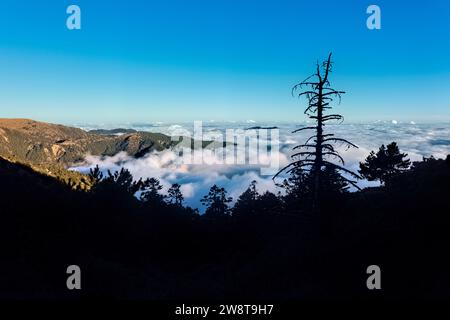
[
  {"x": 52, "y": 148},
  {"x": 38, "y": 142}
]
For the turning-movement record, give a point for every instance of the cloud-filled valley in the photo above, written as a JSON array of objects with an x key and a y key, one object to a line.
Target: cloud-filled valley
[{"x": 418, "y": 140}]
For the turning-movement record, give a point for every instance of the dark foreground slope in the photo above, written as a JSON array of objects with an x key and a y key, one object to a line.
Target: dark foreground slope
[{"x": 127, "y": 249}]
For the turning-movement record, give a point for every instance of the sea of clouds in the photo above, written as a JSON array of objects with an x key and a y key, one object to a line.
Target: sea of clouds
[{"x": 418, "y": 140}]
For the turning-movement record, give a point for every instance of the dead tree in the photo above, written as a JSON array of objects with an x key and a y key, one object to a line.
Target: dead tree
[{"x": 315, "y": 154}]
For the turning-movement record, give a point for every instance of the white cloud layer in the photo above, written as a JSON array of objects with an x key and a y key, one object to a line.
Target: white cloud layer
[{"x": 418, "y": 140}]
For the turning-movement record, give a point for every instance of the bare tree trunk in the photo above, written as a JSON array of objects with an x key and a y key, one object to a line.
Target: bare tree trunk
[
  {"x": 318, "y": 159},
  {"x": 314, "y": 154}
]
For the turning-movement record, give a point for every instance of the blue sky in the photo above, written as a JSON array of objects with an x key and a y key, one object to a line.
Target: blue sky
[{"x": 178, "y": 60}]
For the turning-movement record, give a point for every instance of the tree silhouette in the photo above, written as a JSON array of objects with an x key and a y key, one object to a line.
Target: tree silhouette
[
  {"x": 314, "y": 155},
  {"x": 132, "y": 243},
  {"x": 269, "y": 203},
  {"x": 246, "y": 203},
  {"x": 387, "y": 162},
  {"x": 151, "y": 187},
  {"x": 120, "y": 181},
  {"x": 216, "y": 202},
  {"x": 297, "y": 186},
  {"x": 333, "y": 182},
  {"x": 95, "y": 174},
  {"x": 174, "y": 195}
]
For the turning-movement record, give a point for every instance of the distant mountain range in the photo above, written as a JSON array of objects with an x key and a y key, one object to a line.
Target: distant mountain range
[
  {"x": 51, "y": 148},
  {"x": 40, "y": 143},
  {"x": 117, "y": 131},
  {"x": 259, "y": 127}
]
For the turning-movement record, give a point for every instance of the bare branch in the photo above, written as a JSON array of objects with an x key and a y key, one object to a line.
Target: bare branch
[
  {"x": 303, "y": 153},
  {"x": 333, "y": 92},
  {"x": 327, "y": 69},
  {"x": 328, "y": 146},
  {"x": 352, "y": 182},
  {"x": 334, "y": 154},
  {"x": 306, "y": 92},
  {"x": 304, "y": 146},
  {"x": 305, "y": 128},
  {"x": 303, "y": 83},
  {"x": 337, "y": 116},
  {"x": 338, "y": 167},
  {"x": 295, "y": 164},
  {"x": 310, "y": 138},
  {"x": 333, "y": 117},
  {"x": 341, "y": 140}
]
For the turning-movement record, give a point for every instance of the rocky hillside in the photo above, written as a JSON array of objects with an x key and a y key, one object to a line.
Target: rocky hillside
[
  {"x": 51, "y": 148},
  {"x": 40, "y": 143}
]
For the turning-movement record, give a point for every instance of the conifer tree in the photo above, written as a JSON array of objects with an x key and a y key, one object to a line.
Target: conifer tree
[
  {"x": 315, "y": 155},
  {"x": 387, "y": 162},
  {"x": 216, "y": 202},
  {"x": 152, "y": 187},
  {"x": 174, "y": 195},
  {"x": 121, "y": 181},
  {"x": 246, "y": 203}
]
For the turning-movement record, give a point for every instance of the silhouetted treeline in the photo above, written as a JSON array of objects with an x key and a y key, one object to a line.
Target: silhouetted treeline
[{"x": 132, "y": 241}]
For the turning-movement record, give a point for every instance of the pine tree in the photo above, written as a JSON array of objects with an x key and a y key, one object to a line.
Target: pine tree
[
  {"x": 152, "y": 187},
  {"x": 313, "y": 157},
  {"x": 175, "y": 196},
  {"x": 387, "y": 162},
  {"x": 297, "y": 186},
  {"x": 95, "y": 174},
  {"x": 269, "y": 203},
  {"x": 120, "y": 181},
  {"x": 246, "y": 203},
  {"x": 216, "y": 202}
]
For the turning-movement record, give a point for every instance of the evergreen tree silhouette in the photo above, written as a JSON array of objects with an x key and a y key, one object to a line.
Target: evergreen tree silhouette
[
  {"x": 269, "y": 203},
  {"x": 120, "y": 181},
  {"x": 298, "y": 188},
  {"x": 385, "y": 163},
  {"x": 95, "y": 174},
  {"x": 246, "y": 203},
  {"x": 174, "y": 195},
  {"x": 150, "y": 194},
  {"x": 216, "y": 202},
  {"x": 313, "y": 156}
]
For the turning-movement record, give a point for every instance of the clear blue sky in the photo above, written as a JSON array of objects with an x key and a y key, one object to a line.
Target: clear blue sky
[{"x": 175, "y": 60}]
